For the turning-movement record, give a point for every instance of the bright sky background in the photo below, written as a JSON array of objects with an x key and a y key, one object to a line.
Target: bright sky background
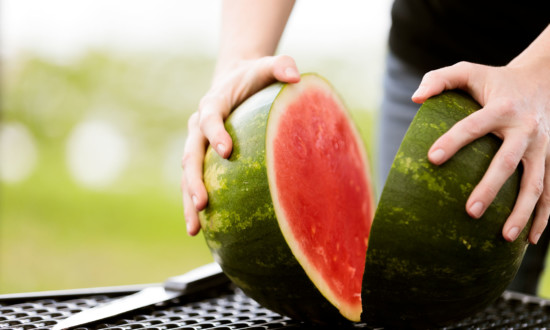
[{"x": 67, "y": 27}]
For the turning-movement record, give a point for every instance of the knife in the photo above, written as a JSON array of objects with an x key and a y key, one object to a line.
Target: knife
[{"x": 201, "y": 278}]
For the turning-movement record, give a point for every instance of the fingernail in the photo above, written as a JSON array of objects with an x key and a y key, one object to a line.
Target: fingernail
[
  {"x": 195, "y": 200},
  {"x": 221, "y": 149},
  {"x": 513, "y": 233},
  {"x": 291, "y": 72},
  {"x": 477, "y": 209},
  {"x": 536, "y": 239},
  {"x": 419, "y": 92},
  {"x": 437, "y": 156}
]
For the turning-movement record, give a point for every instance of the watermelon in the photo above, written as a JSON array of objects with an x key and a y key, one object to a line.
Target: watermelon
[
  {"x": 290, "y": 211},
  {"x": 291, "y": 221},
  {"x": 428, "y": 262}
]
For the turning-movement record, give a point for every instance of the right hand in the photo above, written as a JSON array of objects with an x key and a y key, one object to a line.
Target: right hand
[{"x": 229, "y": 88}]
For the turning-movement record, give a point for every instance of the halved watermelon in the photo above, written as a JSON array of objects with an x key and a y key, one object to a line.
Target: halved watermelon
[
  {"x": 429, "y": 263},
  {"x": 290, "y": 211},
  {"x": 290, "y": 214}
]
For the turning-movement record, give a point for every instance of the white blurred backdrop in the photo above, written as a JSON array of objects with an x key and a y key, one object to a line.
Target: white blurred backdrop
[
  {"x": 95, "y": 98},
  {"x": 351, "y": 31}
]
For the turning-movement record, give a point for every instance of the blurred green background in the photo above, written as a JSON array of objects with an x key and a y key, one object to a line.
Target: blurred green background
[
  {"x": 115, "y": 216},
  {"x": 95, "y": 98},
  {"x": 64, "y": 226}
]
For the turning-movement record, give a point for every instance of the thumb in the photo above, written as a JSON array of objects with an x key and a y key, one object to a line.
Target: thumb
[
  {"x": 273, "y": 68},
  {"x": 284, "y": 69}
]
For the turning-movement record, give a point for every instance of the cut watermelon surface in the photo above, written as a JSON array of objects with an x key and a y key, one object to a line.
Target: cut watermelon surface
[
  {"x": 290, "y": 211},
  {"x": 317, "y": 168}
]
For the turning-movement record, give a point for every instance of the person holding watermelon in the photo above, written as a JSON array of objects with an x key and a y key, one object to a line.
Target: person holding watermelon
[{"x": 497, "y": 52}]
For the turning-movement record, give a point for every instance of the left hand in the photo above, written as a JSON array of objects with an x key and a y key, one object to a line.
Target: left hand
[{"x": 515, "y": 102}]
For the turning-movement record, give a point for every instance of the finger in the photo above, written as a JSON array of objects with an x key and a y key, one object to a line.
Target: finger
[
  {"x": 531, "y": 188},
  {"x": 220, "y": 101},
  {"x": 541, "y": 217},
  {"x": 502, "y": 166},
  {"x": 192, "y": 162},
  {"x": 476, "y": 125},
  {"x": 543, "y": 207},
  {"x": 284, "y": 69},
  {"x": 191, "y": 216},
  {"x": 265, "y": 71},
  {"x": 451, "y": 77},
  {"x": 212, "y": 112}
]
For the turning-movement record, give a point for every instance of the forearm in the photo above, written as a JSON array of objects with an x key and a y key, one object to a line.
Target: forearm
[{"x": 251, "y": 29}]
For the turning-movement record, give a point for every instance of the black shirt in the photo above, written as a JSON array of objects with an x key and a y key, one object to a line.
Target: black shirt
[{"x": 431, "y": 34}]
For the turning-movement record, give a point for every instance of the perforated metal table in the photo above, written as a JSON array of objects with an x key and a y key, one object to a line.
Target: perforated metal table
[{"x": 226, "y": 308}]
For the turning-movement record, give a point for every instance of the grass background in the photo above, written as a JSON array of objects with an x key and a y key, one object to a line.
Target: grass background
[{"x": 58, "y": 234}]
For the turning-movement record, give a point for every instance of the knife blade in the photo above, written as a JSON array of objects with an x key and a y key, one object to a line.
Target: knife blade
[{"x": 196, "y": 280}]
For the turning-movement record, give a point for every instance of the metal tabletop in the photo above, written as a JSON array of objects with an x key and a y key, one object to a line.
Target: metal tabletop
[{"x": 226, "y": 308}]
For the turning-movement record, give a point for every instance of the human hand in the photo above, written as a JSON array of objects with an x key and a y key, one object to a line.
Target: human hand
[
  {"x": 230, "y": 87},
  {"x": 515, "y": 102}
]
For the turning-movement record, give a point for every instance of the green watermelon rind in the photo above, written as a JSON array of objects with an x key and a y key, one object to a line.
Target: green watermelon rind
[
  {"x": 461, "y": 264},
  {"x": 241, "y": 228}
]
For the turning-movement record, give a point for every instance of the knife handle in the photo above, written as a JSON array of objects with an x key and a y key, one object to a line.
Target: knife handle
[{"x": 201, "y": 278}]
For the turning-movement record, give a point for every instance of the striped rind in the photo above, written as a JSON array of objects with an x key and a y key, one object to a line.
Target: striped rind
[
  {"x": 428, "y": 262},
  {"x": 240, "y": 225}
]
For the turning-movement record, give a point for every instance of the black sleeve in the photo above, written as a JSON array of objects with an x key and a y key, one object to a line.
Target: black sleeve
[{"x": 430, "y": 34}]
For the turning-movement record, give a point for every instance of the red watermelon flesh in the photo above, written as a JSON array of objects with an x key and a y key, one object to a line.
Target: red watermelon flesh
[{"x": 318, "y": 175}]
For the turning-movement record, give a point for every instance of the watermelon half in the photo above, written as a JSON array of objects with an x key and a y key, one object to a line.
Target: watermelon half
[
  {"x": 290, "y": 211},
  {"x": 429, "y": 263},
  {"x": 290, "y": 214}
]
